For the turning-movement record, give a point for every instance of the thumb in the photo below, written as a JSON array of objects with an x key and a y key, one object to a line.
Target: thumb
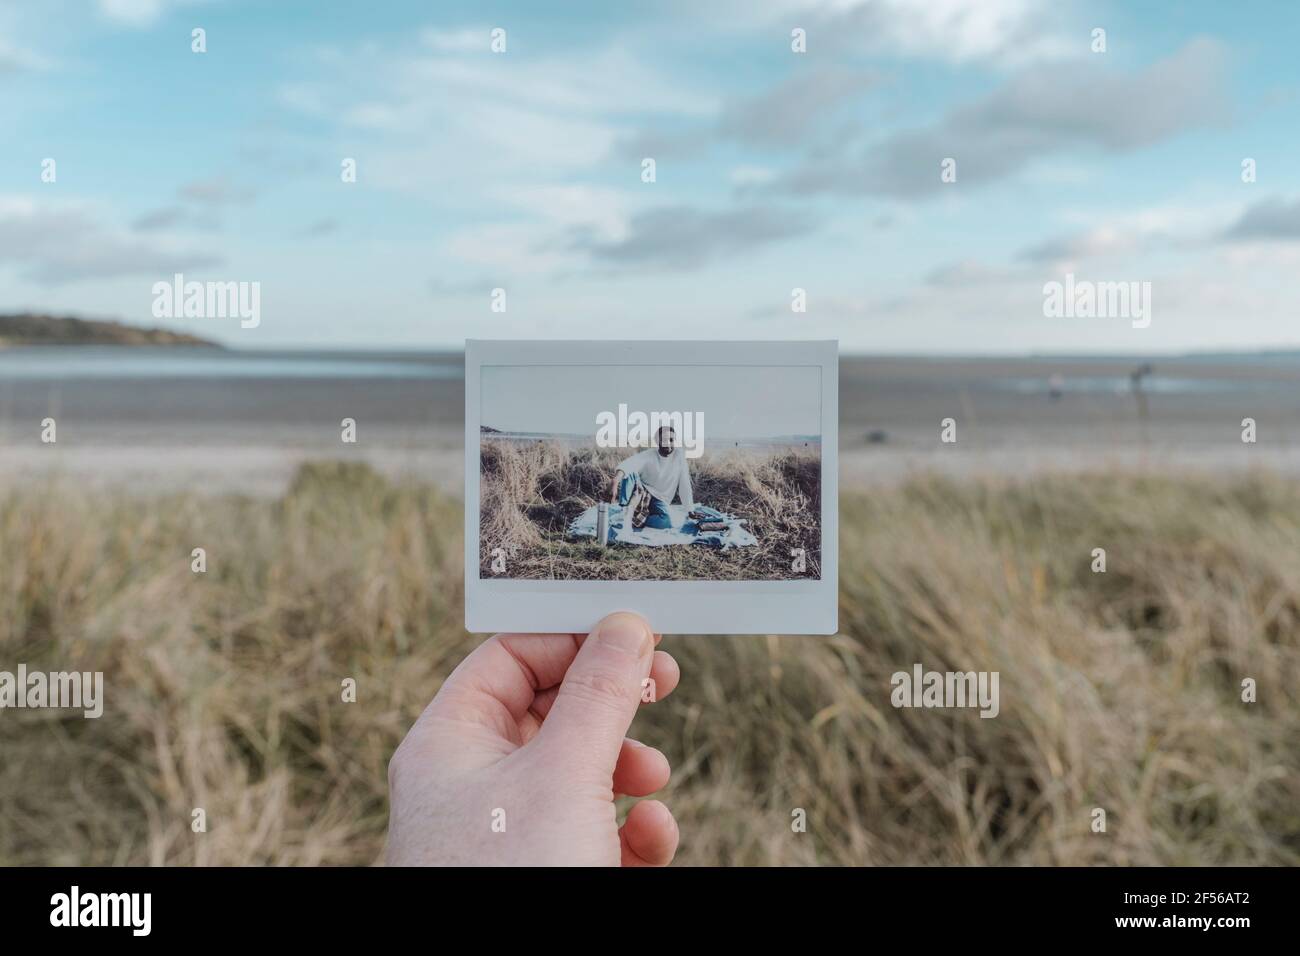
[{"x": 600, "y": 694}]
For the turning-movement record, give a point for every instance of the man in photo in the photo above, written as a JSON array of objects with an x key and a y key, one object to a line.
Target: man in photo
[{"x": 647, "y": 482}]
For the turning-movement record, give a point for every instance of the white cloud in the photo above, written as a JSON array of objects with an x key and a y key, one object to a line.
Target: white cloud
[
  {"x": 1042, "y": 112},
  {"x": 604, "y": 210},
  {"x": 476, "y": 117},
  {"x": 468, "y": 40},
  {"x": 1010, "y": 32},
  {"x": 684, "y": 238},
  {"x": 532, "y": 139},
  {"x": 1219, "y": 299},
  {"x": 17, "y": 54},
  {"x": 1207, "y": 291},
  {"x": 140, "y": 13},
  {"x": 133, "y": 12},
  {"x": 1131, "y": 233},
  {"x": 15, "y": 59},
  {"x": 532, "y": 243},
  {"x": 55, "y": 243},
  {"x": 1273, "y": 219},
  {"x": 967, "y": 272},
  {"x": 751, "y": 175}
]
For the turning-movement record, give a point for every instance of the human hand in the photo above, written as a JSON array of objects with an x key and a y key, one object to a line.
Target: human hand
[{"x": 517, "y": 759}]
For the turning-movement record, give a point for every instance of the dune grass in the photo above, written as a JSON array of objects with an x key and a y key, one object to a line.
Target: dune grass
[
  {"x": 1118, "y": 690},
  {"x": 531, "y": 491}
]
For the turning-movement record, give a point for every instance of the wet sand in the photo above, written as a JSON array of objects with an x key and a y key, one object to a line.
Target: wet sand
[{"x": 247, "y": 433}]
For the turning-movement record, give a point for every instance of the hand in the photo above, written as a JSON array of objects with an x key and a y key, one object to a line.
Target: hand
[
  {"x": 613, "y": 488},
  {"x": 518, "y": 758}
]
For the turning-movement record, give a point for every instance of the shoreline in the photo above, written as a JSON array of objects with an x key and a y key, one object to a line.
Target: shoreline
[
  {"x": 196, "y": 418},
  {"x": 266, "y": 471}
]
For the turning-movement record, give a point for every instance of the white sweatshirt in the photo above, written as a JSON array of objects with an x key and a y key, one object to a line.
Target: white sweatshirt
[{"x": 665, "y": 478}]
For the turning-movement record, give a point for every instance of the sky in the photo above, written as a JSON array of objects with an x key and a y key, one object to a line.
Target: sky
[
  {"x": 735, "y": 401},
  {"x": 774, "y": 170}
]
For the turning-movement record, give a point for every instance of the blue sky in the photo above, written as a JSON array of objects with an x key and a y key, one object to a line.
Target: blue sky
[{"x": 775, "y": 170}]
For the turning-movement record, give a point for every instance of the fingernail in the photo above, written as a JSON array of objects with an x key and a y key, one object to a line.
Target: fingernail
[{"x": 626, "y": 632}]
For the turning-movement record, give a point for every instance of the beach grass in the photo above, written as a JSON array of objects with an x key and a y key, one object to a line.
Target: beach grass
[
  {"x": 530, "y": 492},
  {"x": 1119, "y": 690}
]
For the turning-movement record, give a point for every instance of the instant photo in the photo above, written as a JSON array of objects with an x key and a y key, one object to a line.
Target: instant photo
[{"x": 693, "y": 482}]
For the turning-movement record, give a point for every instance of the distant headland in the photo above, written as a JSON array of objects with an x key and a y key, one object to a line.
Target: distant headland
[{"x": 32, "y": 329}]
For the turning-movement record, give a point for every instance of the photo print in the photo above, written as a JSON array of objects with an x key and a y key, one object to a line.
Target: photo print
[{"x": 692, "y": 481}]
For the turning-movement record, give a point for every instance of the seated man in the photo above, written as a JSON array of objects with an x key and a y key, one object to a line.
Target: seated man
[{"x": 647, "y": 482}]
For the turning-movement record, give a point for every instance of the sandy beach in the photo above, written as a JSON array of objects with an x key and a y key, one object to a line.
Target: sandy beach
[{"x": 204, "y": 420}]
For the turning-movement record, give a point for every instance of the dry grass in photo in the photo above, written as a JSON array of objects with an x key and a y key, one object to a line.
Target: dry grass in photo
[{"x": 530, "y": 491}]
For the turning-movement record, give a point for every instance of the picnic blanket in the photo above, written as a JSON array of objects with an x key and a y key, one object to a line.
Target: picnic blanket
[{"x": 685, "y": 529}]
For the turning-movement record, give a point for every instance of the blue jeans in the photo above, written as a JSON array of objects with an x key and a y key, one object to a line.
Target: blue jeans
[{"x": 658, "y": 516}]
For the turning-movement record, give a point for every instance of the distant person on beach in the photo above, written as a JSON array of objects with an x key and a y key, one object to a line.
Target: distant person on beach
[
  {"x": 647, "y": 482},
  {"x": 1136, "y": 378}
]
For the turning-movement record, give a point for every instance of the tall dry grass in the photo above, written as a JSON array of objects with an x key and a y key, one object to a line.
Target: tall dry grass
[
  {"x": 1118, "y": 690},
  {"x": 530, "y": 492}
]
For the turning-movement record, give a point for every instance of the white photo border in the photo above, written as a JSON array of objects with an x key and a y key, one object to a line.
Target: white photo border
[{"x": 671, "y": 607}]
